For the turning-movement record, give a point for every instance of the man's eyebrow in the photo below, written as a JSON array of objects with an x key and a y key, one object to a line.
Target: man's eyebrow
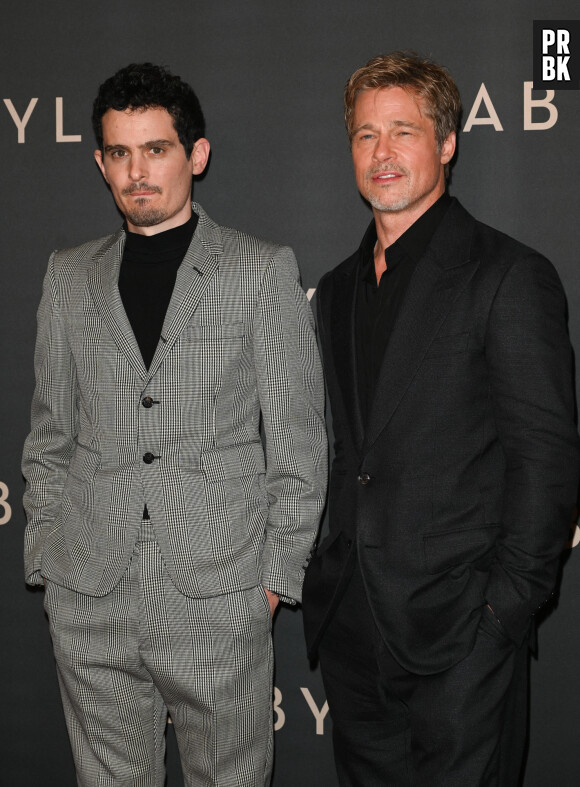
[
  {"x": 156, "y": 143},
  {"x": 152, "y": 143},
  {"x": 366, "y": 126},
  {"x": 406, "y": 124},
  {"x": 392, "y": 123}
]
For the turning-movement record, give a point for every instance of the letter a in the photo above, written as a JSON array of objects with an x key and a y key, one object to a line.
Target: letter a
[{"x": 491, "y": 120}]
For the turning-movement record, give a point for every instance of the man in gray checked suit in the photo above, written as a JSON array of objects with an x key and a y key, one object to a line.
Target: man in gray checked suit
[{"x": 163, "y": 530}]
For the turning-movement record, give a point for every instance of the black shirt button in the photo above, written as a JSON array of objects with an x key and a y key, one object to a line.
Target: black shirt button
[
  {"x": 147, "y": 401},
  {"x": 148, "y": 458},
  {"x": 363, "y": 479}
]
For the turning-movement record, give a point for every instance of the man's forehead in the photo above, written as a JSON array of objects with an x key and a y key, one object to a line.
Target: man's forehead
[
  {"x": 139, "y": 119},
  {"x": 392, "y": 97}
]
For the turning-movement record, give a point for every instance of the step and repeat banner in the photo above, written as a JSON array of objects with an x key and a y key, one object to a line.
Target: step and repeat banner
[{"x": 270, "y": 77}]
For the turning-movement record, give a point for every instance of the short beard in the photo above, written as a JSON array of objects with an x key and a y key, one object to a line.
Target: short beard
[
  {"x": 142, "y": 215},
  {"x": 147, "y": 217}
]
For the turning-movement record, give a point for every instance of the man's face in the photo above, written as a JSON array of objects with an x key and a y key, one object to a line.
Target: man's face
[
  {"x": 145, "y": 165},
  {"x": 397, "y": 163}
]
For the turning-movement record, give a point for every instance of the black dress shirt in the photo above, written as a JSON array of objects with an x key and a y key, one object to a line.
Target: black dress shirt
[{"x": 377, "y": 306}]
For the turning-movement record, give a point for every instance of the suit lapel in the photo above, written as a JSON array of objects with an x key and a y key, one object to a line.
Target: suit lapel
[
  {"x": 344, "y": 346},
  {"x": 103, "y": 286},
  {"x": 193, "y": 277},
  {"x": 440, "y": 277},
  {"x": 194, "y": 274}
]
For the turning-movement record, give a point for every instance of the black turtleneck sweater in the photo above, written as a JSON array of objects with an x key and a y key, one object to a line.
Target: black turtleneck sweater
[
  {"x": 146, "y": 281},
  {"x": 147, "y": 277}
]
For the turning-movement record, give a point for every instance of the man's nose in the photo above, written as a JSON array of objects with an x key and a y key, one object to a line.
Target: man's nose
[
  {"x": 137, "y": 167},
  {"x": 383, "y": 148}
]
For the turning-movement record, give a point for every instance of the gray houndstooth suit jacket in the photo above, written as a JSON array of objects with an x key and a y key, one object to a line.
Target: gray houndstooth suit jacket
[{"x": 109, "y": 436}]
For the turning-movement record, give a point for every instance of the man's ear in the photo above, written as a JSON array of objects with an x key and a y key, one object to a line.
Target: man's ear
[
  {"x": 199, "y": 155},
  {"x": 99, "y": 159},
  {"x": 448, "y": 148}
]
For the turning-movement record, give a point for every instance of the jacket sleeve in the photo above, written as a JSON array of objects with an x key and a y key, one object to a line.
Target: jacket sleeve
[
  {"x": 530, "y": 365},
  {"x": 291, "y": 393},
  {"x": 48, "y": 447}
]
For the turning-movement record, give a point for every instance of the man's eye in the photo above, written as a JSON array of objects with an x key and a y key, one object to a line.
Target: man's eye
[
  {"x": 157, "y": 151},
  {"x": 117, "y": 153}
]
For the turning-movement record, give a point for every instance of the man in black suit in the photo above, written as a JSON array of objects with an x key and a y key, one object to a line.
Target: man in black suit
[{"x": 449, "y": 373}]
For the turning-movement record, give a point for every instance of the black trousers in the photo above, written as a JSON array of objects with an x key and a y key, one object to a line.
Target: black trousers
[{"x": 464, "y": 727}]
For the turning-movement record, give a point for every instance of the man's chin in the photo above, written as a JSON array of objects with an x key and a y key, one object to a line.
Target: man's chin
[
  {"x": 148, "y": 218},
  {"x": 388, "y": 206}
]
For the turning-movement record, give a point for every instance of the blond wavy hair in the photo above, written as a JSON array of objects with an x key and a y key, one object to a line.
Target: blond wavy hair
[{"x": 418, "y": 75}]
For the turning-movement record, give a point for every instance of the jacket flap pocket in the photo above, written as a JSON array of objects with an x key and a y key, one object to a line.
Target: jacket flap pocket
[
  {"x": 458, "y": 547},
  {"x": 234, "y": 461}
]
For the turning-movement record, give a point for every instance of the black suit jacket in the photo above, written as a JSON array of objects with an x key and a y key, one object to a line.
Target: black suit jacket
[{"x": 461, "y": 489}]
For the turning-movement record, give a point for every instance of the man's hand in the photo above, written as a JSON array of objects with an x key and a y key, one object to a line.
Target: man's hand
[{"x": 273, "y": 600}]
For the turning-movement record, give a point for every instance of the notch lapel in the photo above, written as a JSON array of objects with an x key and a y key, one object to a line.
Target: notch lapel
[
  {"x": 440, "y": 277},
  {"x": 103, "y": 284},
  {"x": 193, "y": 277},
  {"x": 343, "y": 333}
]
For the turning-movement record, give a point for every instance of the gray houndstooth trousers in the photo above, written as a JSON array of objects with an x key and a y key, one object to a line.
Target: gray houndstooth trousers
[{"x": 126, "y": 659}]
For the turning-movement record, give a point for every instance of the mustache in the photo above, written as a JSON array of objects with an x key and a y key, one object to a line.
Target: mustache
[
  {"x": 390, "y": 168},
  {"x": 137, "y": 187}
]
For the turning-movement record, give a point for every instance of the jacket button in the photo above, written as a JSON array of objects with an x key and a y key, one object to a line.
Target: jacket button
[
  {"x": 147, "y": 401},
  {"x": 363, "y": 479},
  {"x": 148, "y": 458}
]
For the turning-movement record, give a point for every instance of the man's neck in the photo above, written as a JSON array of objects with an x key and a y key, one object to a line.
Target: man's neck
[{"x": 391, "y": 225}]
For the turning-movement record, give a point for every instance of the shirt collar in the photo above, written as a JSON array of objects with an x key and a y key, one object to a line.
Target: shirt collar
[{"x": 413, "y": 242}]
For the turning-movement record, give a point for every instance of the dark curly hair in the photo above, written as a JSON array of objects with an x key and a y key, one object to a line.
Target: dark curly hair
[{"x": 145, "y": 85}]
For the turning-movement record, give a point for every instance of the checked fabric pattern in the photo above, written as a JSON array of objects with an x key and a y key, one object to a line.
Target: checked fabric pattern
[
  {"x": 125, "y": 659},
  {"x": 108, "y": 436}
]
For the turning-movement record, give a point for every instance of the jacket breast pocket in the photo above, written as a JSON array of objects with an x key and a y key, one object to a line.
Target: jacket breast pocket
[
  {"x": 214, "y": 356},
  {"x": 216, "y": 332},
  {"x": 444, "y": 346}
]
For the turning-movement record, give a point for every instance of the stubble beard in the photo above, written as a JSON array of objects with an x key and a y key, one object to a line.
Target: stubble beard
[
  {"x": 382, "y": 202},
  {"x": 388, "y": 207}
]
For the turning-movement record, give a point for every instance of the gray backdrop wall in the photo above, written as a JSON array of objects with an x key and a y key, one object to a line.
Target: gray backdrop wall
[{"x": 270, "y": 76}]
